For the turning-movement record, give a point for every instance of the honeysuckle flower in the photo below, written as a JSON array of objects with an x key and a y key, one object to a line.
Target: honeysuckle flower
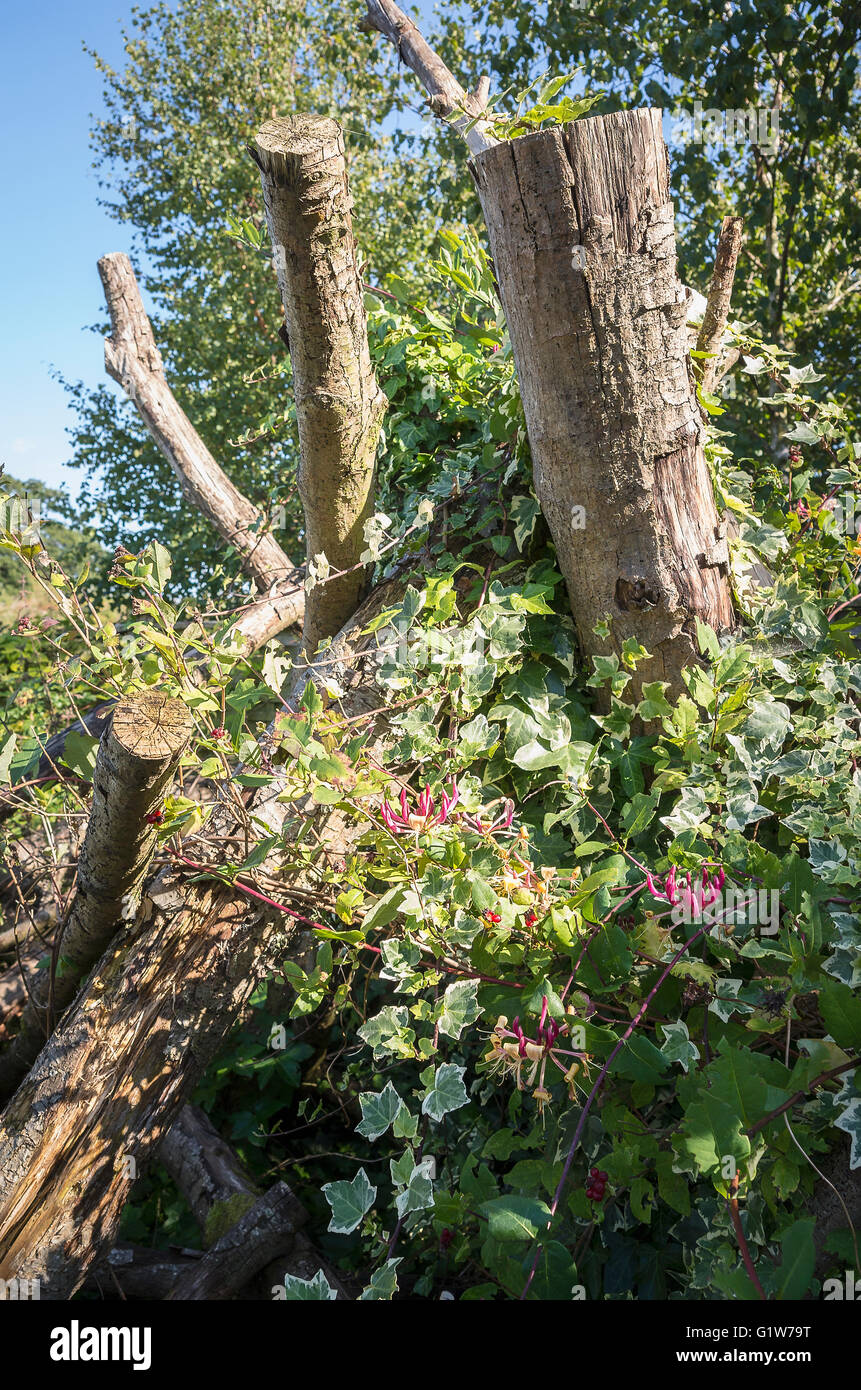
[
  {"x": 424, "y": 817},
  {"x": 511, "y": 1050},
  {"x": 489, "y": 827},
  {"x": 691, "y": 897}
]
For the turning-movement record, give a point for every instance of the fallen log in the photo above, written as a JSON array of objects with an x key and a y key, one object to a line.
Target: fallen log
[
  {"x": 220, "y": 1193},
  {"x": 139, "y": 753},
  {"x": 113, "y": 1077}
]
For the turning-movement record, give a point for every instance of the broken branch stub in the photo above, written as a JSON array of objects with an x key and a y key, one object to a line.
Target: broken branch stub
[
  {"x": 339, "y": 406},
  {"x": 716, "y": 313},
  {"x": 138, "y": 755},
  {"x": 133, "y": 360}
]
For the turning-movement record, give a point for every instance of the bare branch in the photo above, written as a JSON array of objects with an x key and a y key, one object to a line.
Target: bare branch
[
  {"x": 717, "y": 305},
  {"x": 133, "y": 360},
  {"x": 447, "y": 98}
]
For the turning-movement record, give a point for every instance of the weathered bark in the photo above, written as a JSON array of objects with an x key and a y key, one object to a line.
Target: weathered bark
[
  {"x": 112, "y": 1078},
  {"x": 339, "y": 407},
  {"x": 126, "y": 1057},
  {"x": 245, "y": 1249},
  {"x": 446, "y": 96},
  {"x": 219, "y": 1191},
  {"x": 716, "y": 313},
  {"x": 581, "y": 231},
  {"x": 137, "y": 759},
  {"x": 138, "y": 1272},
  {"x": 134, "y": 361}
]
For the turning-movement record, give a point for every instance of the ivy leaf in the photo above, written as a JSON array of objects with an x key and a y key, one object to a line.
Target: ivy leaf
[
  {"x": 317, "y": 1290},
  {"x": 446, "y": 1091},
  {"x": 418, "y": 1193},
  {"x": 524, "y": 512},
  {"x": 515, "y": 1218},
  {"x": 677, "y": 1045},
  {"x": 458, "y": 1007},
  {"x": 384, "y": 1283},
  {"x": 350, "y": 1201},
  {"x": 387, "y": 1033},
  {"x": 379, "y": 1109}
]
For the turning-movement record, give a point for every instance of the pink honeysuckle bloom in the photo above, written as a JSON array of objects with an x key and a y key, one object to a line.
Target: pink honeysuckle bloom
[
  {"x": 425, "y": 816},
  {"x": 693, "y": 898},
  {"x": 502, "y": 821}
]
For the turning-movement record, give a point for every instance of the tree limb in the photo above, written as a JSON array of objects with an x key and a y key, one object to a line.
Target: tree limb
[
  {"x": 133, "y": 360},
  {"x": 447, "y": 97},
  {"x": 718, "y": 301},
  {"x": 339, "y": 406}
]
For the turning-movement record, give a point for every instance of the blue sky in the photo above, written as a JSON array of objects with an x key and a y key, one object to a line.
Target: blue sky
[{"x": 53, "y": 231}]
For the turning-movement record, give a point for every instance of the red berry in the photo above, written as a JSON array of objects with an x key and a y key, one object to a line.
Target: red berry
[{"x": 593, "y": 1173}]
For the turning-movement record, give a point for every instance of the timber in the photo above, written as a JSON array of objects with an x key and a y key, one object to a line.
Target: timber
[
  {"x": 716, "y": 313},
  {"x": 137, "y": 760},
  {"x": 153, "y": 1014},
  {"x": 339, "y": 406},
  {"x": 581, "y": 232},
  {"x": 582, "y": 237},
  {"x": 133, "y": 360}
]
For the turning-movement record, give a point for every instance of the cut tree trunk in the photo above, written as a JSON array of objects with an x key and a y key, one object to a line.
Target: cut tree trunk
[
  {"x": 581, "y": 232},
  {"x": 582, "y": 236},
  {"x": 134, "y": 361},
  {"x": 339, "y": 407},
  {"x": 136, "y": 763}
]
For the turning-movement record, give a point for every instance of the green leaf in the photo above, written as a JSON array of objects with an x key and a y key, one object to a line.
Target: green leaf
[
  {"x": 841, "y": 1009},
  {"x": 7, "y": 752},
  {"x": 672, "y": 1187},
  {"x": 350, "y": 1201},
  {"x": 446, "y": 1091},
  {"x": 799, "y": 1258},
  {"x": 384, "y": 1283},
  {"x": 79, "y": 754},
  {"x": 387, "y": 1033},
  {"x": 515, "y": 1218},
  {"x": 379, "y": 1109},
  {"x": 313, "y": 1290},
  {"x": 458, "y": 1007}
]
